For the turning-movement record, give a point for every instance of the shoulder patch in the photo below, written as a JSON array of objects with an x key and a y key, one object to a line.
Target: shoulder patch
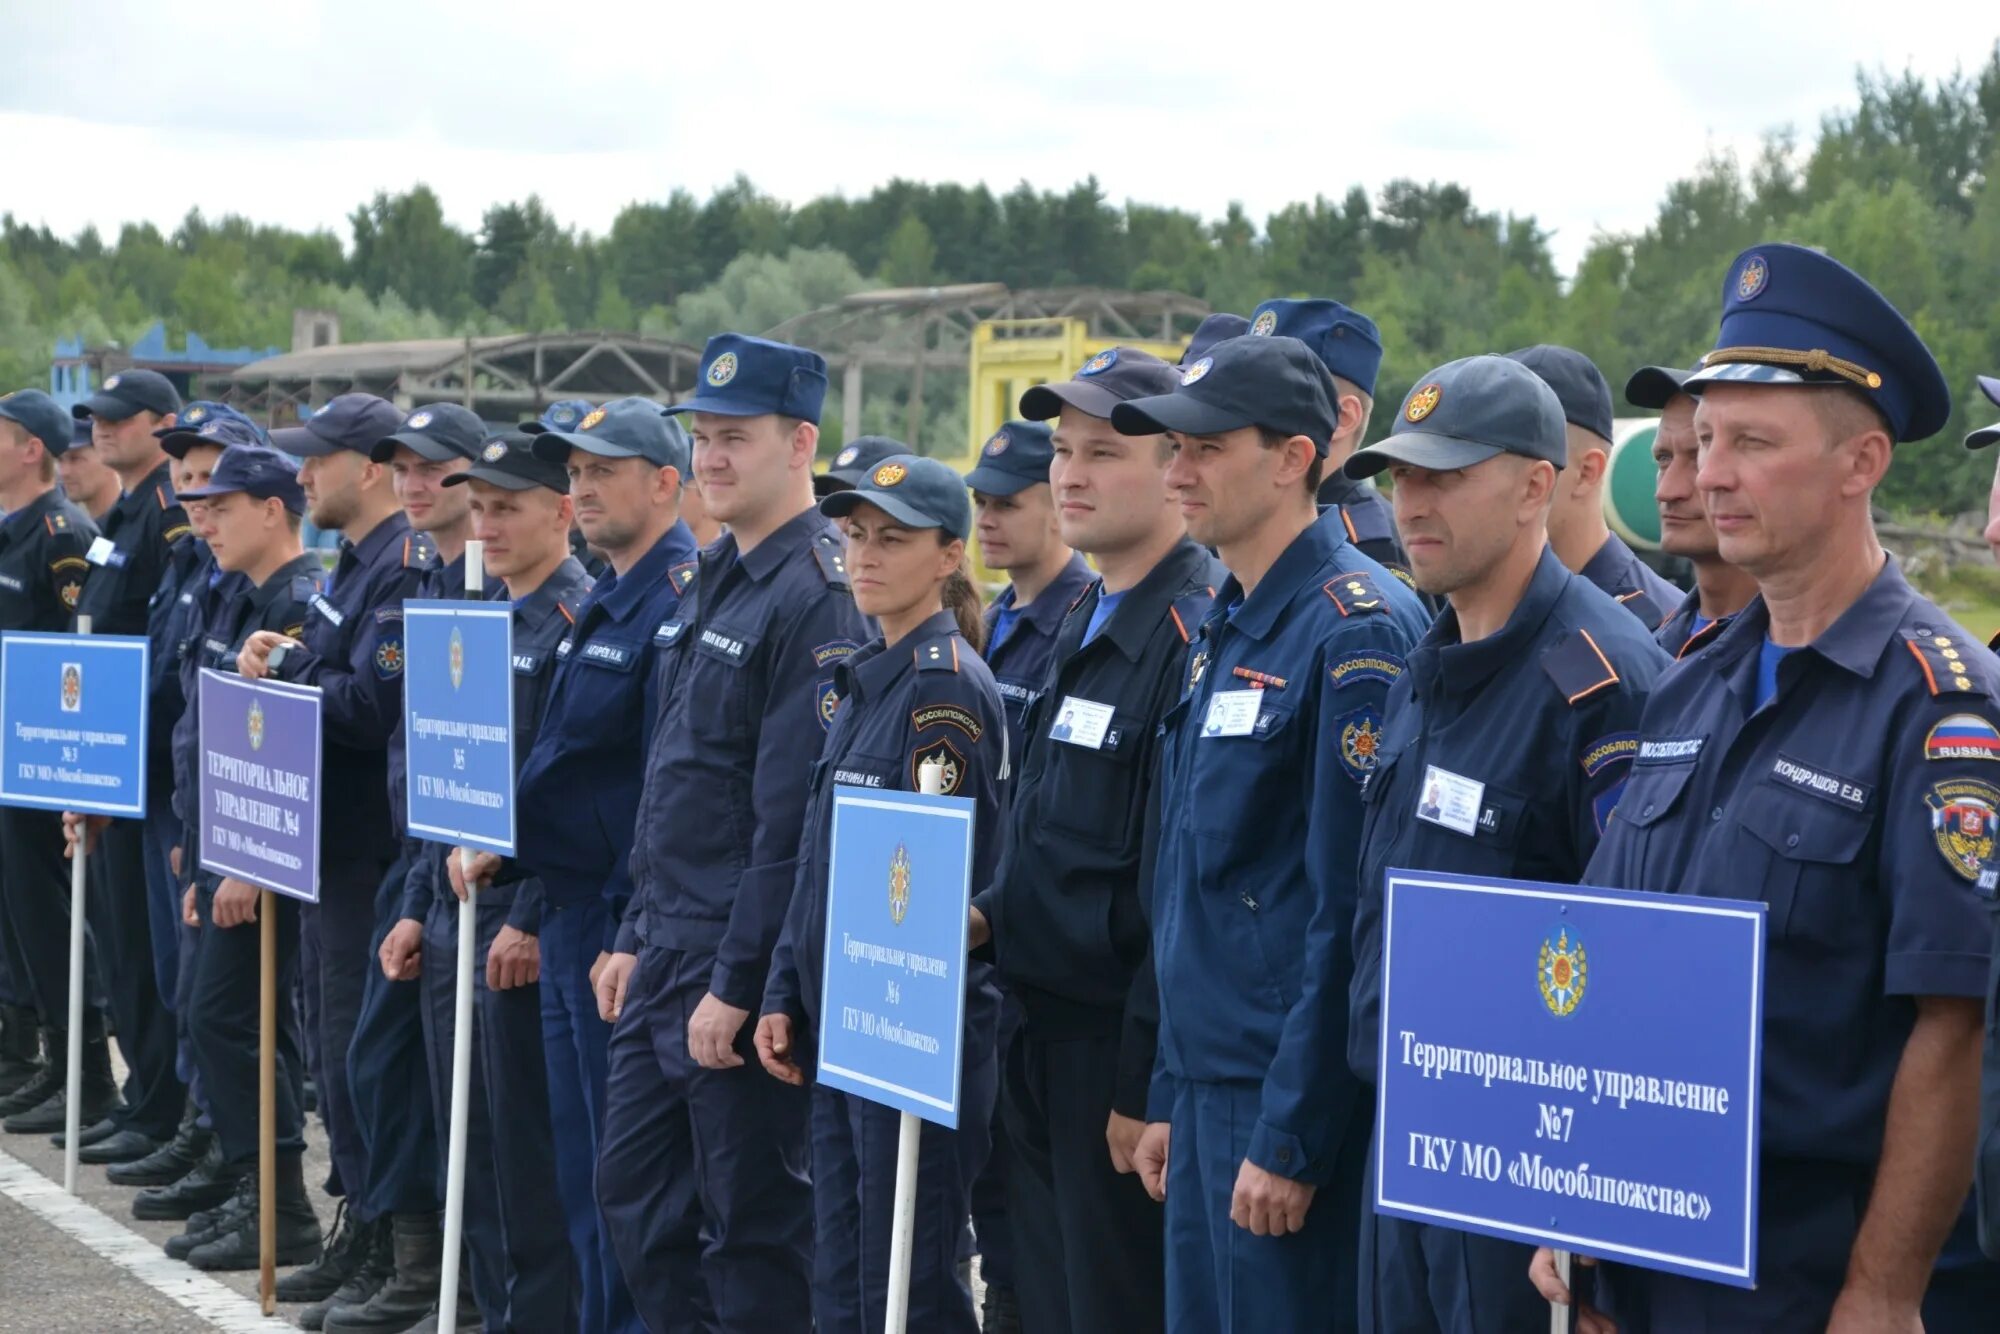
[
  {"x": 938, "y": 656},
  {"x": 1367, "y": 665},
  {"x": 942, "y": 752},
  {"x": 1608, "y": 750},
  {"x": 946, "y": 715},
  {"x": 832, "y": 559},
  {"x": 1189, "y": 610},
  {"x": 1946, "y": 664},
  {"x": 683, "y": 574},
  {"x": 389, "y": 655},
  {"x": 1360, "y": 739},
  {"x": 833, "y": 650},
  {"x": 384, "y": 615},
  {"x": 1355, "y": 593},
  {"x": 1578, "y": 667},
  {"x": 1963, "y": 736},
  {"x": 1402, "y": 573},
  {"x": 69, "y": 563},
  {"x": 176, "y": 533},
  {"x": 1640, "y": 603}
]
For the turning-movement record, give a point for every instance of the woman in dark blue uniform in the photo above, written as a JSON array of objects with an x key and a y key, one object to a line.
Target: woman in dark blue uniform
[{"x": 918, "y": 694}]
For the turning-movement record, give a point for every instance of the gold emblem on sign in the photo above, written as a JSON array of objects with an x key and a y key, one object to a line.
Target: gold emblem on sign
[
  {"x": 899, "y": 885},
  {"x": 1562, "y": 971}
]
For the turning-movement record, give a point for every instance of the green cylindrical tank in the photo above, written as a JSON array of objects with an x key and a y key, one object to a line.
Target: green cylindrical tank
[{"x": 1630, "y": 475}]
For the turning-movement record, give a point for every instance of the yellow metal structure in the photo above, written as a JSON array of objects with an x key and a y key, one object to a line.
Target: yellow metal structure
[{"x": 1009, "y": 357}]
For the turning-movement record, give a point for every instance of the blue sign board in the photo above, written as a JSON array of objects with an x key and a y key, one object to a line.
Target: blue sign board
[
  {"x": 73, "y": 722},
  {"x": 892, "y": 1008},
  {"x": 259, "y": 784},
  {"x": 1573, "y": 1067},
  {"x": 458, "y": 722}
]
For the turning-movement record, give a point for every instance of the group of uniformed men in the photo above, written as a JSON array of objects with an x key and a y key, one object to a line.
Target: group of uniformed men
[{"x": 1193, "y": 756}]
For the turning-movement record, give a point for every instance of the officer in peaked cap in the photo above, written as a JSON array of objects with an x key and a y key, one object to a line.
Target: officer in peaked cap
[
  {"x": 1255, "y": 1123},
  {"x": 702, "y": 1179},
  {"x": 858, "y": 458},
  {"x": 1521, "y": 703},
  {"x": 1881, "y": 900},
  {"x": 1577, "y": 527}
]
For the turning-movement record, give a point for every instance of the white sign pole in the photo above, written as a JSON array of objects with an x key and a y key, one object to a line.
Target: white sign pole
[
  {"x": 1562, "y": 1318},
  {"x": 461, "y": 1042},
  {"x": 78, "y": 891}
]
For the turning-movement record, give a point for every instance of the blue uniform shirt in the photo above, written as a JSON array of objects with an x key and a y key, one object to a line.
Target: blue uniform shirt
[
  {"x": 1618, "y": 571},
  {"x": 1858, "y": 804},
  {"x": 580, "y": 782},
  {"x": 927, "y": 697},
  {"x": 127, "y": 564},
  {"x": 1021, "y": 661},
  {"x": 746, "y": 695},
  {"x": 1544, "y": 714},
  {"x": 1260, "y": 817}
]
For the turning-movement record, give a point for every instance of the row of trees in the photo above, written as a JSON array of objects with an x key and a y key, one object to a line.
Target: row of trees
[{"x": 1902, "y": 186}]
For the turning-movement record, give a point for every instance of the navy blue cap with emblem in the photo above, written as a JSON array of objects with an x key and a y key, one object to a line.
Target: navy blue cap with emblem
[
  {"x": 1653, "y": 387},
  {"x": 131, "y": 392},
  {"x": 624, "y": 428},
  {"x": 347, "y": 421},
  {"x": 1217, "y": 328},
  {"x": 510, "y": 460},
  {"x": 561, "y": 415},
  {"x": 917, "y": 492},
  {"x": 743, "y": 376},
  {"x": 256, "y": 471},
  {"x": 1348, "y": 343},
  {"x": 40, "y": 416},
  {"x": 1113, "y": 376},
  {"x": 1276, "y": 383},
  {"x": 1580, "y": 387},
  {"x": 439, "y": 432},
  {"x": 856, "y": 460},
  {"x": 205, "y": 422},
  {"x": 1990, "y": 387},
  {"x": 1793, "y": 316},
  {"x": 1014, "y": 459},
  {"x": 1466, "y": 412}
]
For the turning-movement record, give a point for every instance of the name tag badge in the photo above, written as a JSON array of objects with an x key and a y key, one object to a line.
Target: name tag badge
[
  {"x": 1081, "y": 722},
  {"x": 1450, "y": 800},
  {"x": 1232, "y": 713},
  {"x": 326, "y": 609},
  {"x": 100, "y": 551}
]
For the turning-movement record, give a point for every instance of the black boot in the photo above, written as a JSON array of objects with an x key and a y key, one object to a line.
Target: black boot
[
  {"x": 1001, "y": 1311},
  {"x": 411, "y": 1292},
  {"x": 345, "y": 1251},
  {"x": 97, "y": 1091},
  {"x": 469, "y": 1320},
  {"x": 46, "y": 1080},
  {"x": 378, "y": 1262},
  {"x": 89, "y": 1135},
  {"x": 298, "y": 1239},
  {"x": 171, "y": 1161},
  {"x": 209, "y": 1225},
  {"x": 208, "y": 1184},
  {"x": 20, "y": 1047}
]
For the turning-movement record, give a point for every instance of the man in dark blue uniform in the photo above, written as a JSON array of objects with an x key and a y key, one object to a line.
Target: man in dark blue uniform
[
  {"x": 83, "y": 476},
  {"x": 702, "y": 1178},
  {"x": 352, "y": 649},
  {"x": 1720, "y": 589},
  {"x": 1260, "y": 813},
  {"x": 624, "y": 468},
  {"x": 1518, "y": 712},
  {"x": 1066, "y": 911},
  {"x": 1830, "y": 752},
  {"x": 1577, "y": 529}
]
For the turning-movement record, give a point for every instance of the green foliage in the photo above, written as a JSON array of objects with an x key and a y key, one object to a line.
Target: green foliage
[{"x": 1900, "y": 186}]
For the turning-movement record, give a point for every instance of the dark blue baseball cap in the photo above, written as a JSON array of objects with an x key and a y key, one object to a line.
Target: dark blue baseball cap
[
  {"x": 80, "y": 437},
  {"x": 255, "y": 471},
  {"x": 1794, "y": 316},
  {"x": 1276, "y": 383},
  {"x": 1347, "y": 342},
  {"x": 1466, "y": 412},
  {"x": 1653, "y": 387},
  {"x": 439, "y": 432},
  {"x": 130, "y": 392},
  {"x": 917, "y": 492},
  {"x": 39, "y": 415},
  {"x": 349, "y": 421},
  {"x": 1115, "y": 375},
  {"x": 1580, "y": 387},
  {"x": 743, "y": 376},
  {"x": 1217, "y": 328},
  {"x": 1990, "y": 387},
  {"x": 205, "y": 422},
  {"x": 561, "y": 415},
  {"x": 624, "y": 428},
  {"x": 509, "y": 460},
  {"x": 858, "y": 457},
  {"x": 1015, "y": 458}
]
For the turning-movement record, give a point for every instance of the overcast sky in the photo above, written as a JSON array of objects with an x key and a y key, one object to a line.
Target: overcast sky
[{"x": 292, "y": 111}]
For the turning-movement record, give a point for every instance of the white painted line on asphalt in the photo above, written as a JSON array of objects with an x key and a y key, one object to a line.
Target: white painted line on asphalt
[{"x": 214, "y": 1302}]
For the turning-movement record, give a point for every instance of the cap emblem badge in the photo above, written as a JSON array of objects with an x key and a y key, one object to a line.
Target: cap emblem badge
[
  {"x": 722, "y": 370},
  {"x": 1423, "y": 402},
  {"x": 494, "y": 451},
  {"x": 889, "y": 474},
  {"x": 594, "y": 416},
  {"x": 845, "y": 456},
  {"x": 1100, "y": 363},
  {"x": 111, "y": 383},
  {"x": 1754, "y": 278},
  {"x": 998, "y": 444},
  {"x": 418, "y": 421},
  {"x": 1266, "y": 323},
  {"x": 1196, "y": 371}
]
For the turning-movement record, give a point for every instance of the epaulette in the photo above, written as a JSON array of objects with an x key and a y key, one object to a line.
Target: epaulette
[
  {"x": 683, "y": 574},
  {"x": 1702, "y": 638},
  {"x": 1947, "y": 665},
  {"x": 1578, "y": 667},
  {"x": 303, "y": 587},
  {"x": 165, "y": 495},
  {"x": 1189, "y": 610},
  {"x": 418, "y": 550},
  {"x": 1640, "y": 603},
  {"x": 1367, "y": 523},
  {"x": 55, "y": 523},
  {"x": 1355, "y": 593},
  {"x": 832, "y": 557},
  {"x": 1994, "y": 643},
  {"x": 934, "y": 657}
]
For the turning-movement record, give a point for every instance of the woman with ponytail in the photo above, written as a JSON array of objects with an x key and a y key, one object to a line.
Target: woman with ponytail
[{"x": 919, "y": 694}]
